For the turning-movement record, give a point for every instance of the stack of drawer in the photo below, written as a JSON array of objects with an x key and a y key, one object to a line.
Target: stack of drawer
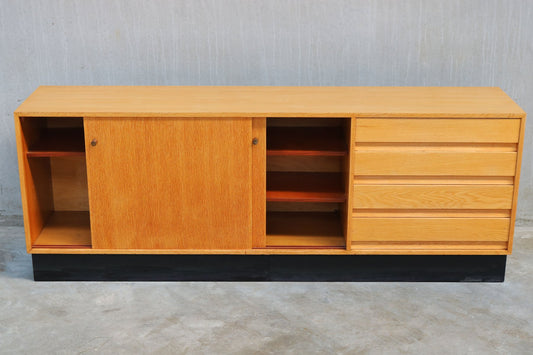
[{"x": 433, "y": 183}]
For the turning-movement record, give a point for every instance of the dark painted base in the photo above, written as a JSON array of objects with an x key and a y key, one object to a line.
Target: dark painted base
[{"x": 412, "y": 268}]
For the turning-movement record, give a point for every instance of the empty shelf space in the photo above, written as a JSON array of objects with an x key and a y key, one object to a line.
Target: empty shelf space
[
  {"x": 305, "y": 187},
  {"x": 65, "y": 229},
  {"x": 304, "y": 230},
  {"x": 314, "y": 141},
  {"x": 58, "y": 142}
]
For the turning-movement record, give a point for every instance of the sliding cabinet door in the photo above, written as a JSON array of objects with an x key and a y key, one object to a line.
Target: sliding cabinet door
[{"x": 170, "y": 183}]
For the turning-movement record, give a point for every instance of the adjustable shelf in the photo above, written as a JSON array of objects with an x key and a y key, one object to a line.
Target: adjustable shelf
[
  {"x": 58, "y": 142},
  {"x": 307, "y": 141},
  {"x": 304, "y": 230},
  {"x": 305, "y": 187}
]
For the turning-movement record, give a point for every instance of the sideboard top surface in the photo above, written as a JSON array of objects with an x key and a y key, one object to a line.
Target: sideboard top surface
[{"x": 268, "y": 101}]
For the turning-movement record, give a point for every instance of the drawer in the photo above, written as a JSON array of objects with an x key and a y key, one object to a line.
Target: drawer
[
  {"x": 430, "y": 229},
  {"x": 434, "y": 130},
  {"x": 452, "y": 163},
  {"x": 433, "y": 196}
]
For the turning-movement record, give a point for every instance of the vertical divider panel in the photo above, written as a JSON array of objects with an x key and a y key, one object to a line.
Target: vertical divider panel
[
  {"x": 35, "y": 181},
  {"x": 516, "y": 182},
  {"x": 348, "y": 176},
  {"x": 259, "y": 183},
  {"x": 23, "y": 166}
]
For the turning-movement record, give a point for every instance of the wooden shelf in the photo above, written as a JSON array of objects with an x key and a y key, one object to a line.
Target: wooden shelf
[
  {"x": 65, "y": 229},
  {"x": 304, "y": 230},
  {"x": 58, "y": 142},
  {"x": 308, "y": 141},
  {"x": 305, "y": 187}
]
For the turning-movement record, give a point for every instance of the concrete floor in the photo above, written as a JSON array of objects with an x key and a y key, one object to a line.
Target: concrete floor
[{"x": 246, "y": 318}]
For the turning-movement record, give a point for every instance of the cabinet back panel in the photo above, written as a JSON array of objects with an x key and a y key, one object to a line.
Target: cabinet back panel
[
  {"x": 303, "y": 207},
  {"x": 304, "y": 163},
  {"x": 69, "y": 181}
]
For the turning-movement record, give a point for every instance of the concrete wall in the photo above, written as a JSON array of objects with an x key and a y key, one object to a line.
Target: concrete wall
[{"x": 243, "y": 42}]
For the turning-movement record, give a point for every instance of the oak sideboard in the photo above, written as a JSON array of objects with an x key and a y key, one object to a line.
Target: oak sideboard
[{"x": 131, "y": 177}]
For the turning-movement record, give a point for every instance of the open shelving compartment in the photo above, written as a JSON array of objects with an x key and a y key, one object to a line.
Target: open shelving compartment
[
  {"x": 306, "y": 179},
  {"x": 56, "y": 182}
]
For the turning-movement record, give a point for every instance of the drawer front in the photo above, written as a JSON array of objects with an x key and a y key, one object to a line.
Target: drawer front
[
  {"x": 433, "y": 196},
  {"x": 430, "y": 229},
  {"x": 450, "y": 163},
  {"x": 433, "y": 183},
  {"x": 469, "y": 130}
]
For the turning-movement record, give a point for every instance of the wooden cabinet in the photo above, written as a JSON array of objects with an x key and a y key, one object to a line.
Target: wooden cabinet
[{"x": 264, "y": 170}]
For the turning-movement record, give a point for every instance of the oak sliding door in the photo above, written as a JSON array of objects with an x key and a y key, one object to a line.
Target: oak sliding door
[{"x": 170, "y": 183}]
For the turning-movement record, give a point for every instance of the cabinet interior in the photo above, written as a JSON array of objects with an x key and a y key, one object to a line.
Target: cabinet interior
[
  {"x": 56, "y": 182},
  {"x": 306, "y": 179}
]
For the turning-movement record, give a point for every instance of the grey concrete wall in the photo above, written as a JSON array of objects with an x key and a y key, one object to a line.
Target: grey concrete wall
[{"x": 240, "y": 42}]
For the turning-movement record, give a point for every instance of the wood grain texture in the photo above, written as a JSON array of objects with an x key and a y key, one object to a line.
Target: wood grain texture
[
  {"x": 170, "y": 183},
  {"x": 436, "y": 147},
  {"x": 305, "y": 187},
  {"x": 440, "y": 212},
  {"x": 304, "y": 122},
  {"x": 282, "y": 251},
  {"x": 433, "y": 180},
  {"x": 416, "y": 177},
  {"x": 433, "y": 196},
  {"x": 431, "y": 245},
  {"x": 69, "y": 183},
  {"x": 469, "y": 176},
  {"x": 305, "y": 163},
  {"x": 517, "y": 181},
  {"x": 249, "y": 101},
  {"x": 259, "y": 183},
  {"x": 304, "y": 229},
  {"x": 39, "y": 193},
  {"x": 434, "y": 163},
  {"x": 304, "y": 241},
  {"x": 430, "y": 229},
  {"x": 347, "y": 210},
  {"x": 58, "y": 142},
  {"x": 66, "y": 229},
  {"x": 35, "y": 179},
  {"x": 437, "y": 130},
  {"x": 306, "y": 141},
  {"x": 303, "y": 207},
  {"x": 25, "y": 185}
]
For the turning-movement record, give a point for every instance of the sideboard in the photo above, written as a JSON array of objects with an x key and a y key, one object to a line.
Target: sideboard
[{"x": 129, "y": 175}]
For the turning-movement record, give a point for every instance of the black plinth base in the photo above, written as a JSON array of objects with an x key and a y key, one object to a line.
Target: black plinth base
[{"x": 412, "y": 268}]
